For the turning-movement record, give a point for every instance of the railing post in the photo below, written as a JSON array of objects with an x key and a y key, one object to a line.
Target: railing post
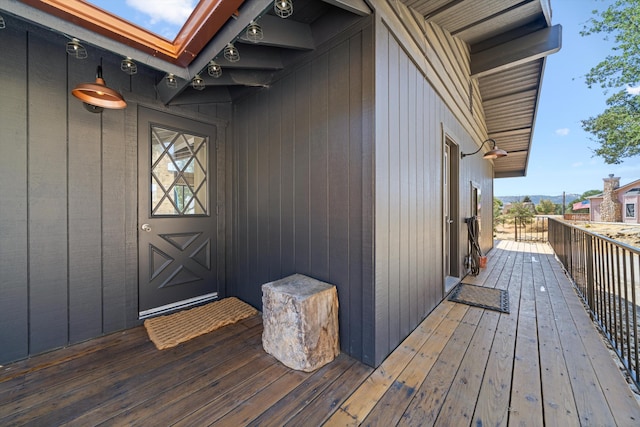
[{"x": 589, "y": 273}]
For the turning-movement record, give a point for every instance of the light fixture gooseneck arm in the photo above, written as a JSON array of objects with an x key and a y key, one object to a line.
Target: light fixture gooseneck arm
[
  {"x": 492, "y": 154},
  {"x": 493, "y": 141}
]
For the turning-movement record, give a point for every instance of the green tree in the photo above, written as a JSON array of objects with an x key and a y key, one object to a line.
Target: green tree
[
  {"x": 497, "y": 212},
  {"x": 520, "y": 212},
  {"x": 546, "y": 207},
  {"x": 617, "y": 129},
  {"x": 526, "y": 199}
]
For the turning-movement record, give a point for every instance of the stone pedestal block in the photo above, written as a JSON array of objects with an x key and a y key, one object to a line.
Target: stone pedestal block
[{"x": 300, "y": 317}]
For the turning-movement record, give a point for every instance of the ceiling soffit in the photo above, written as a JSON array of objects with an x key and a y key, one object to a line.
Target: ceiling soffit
[{"x": 509, "y": 41}]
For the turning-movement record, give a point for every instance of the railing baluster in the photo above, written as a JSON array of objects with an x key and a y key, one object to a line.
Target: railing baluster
[{"x": 604, "y": 273}]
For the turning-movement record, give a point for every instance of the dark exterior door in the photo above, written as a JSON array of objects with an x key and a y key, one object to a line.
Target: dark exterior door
[{"x": 176, "y": 226}]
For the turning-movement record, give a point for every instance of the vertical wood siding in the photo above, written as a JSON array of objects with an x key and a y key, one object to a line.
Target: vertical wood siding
[
  {"x": 68, "y": 197},
  {"x": 410, "y": 119},
  {"x": 299, "y": 150}
]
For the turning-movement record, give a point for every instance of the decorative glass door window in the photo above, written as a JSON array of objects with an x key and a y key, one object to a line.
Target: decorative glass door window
[
  {"x": 630, "y": 211},
  {"x": 178, "y": 173}
]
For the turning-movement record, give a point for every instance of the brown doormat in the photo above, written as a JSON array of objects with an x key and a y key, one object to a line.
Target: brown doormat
[
  {"x": 479, "y": 296},
  {"x": 170, "y": 330}
]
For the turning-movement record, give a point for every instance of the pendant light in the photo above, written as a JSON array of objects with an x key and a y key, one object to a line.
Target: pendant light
[
  {"x": 214, "y": 69},
  {"x": 99, "y": 94},
  {"x": 254, "y": 32},
  {"x": 283, "y": 8},
  {"x": 75, "y": 49},
  {"x": 172, "y": 80},
  {"x": 231, "y": 54}
]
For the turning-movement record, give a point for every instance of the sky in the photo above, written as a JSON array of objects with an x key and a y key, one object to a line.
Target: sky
[
  {"x": 565, "y": 100},
  {"x": 163, "y": 17}
]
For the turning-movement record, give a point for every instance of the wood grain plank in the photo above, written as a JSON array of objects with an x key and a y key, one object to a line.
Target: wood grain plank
[
  {"x": 287, "y": 163},
  {"x": 392, "y": 405},
  {"x": 157, "y": 389},
  {"x": 558, "y": 403},
  {"x": 356, "y": 408},
  {"x": 492, "y": 407},
  {"x": 274, "y": 181},
  {"x": 14, "y": 304},
  {"x": 47, "y": 192},
  {"x": 322, "y": 407},
  {"x": 290, "y": 405},
  {"x": 459, "y": 404},
  {"x": 85, "y": 214},
  {"x": 42, "y": 406},
  {"x": 589, "y": 397},
  {"x": 526, "y": 389},
  {"x": 303, "y": 102},
  {"x": 624, "y": 405},
  {"x": 427, "y": 403},
  {"x": 319, "y": 168},
  {"x": 380, "y": 214}
]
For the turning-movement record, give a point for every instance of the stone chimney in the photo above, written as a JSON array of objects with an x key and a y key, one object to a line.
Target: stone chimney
[{"x": 611, "y": 209}]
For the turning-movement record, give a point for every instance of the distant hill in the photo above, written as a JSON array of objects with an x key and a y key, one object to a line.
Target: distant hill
[{"x": 536, "y": 198}]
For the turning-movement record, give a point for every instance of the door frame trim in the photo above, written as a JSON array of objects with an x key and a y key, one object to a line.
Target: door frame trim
[{"x": 448, "y": 281}]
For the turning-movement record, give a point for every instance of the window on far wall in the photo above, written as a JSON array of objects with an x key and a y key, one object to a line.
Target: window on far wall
[{"x": 630, "y": 210}]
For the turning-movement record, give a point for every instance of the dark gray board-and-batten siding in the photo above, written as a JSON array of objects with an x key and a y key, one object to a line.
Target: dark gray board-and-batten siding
[
  {"x": 68, "y": 196},
  {"x": 324, "y": 180}
]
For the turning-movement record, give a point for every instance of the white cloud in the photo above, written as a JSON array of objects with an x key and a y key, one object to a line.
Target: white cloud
[
  {"x": 562, "y": 131},
  {"x": 170, "y": 11},
  {"x": 633, "y": 90},
  {"x": 576, "y": 164}
]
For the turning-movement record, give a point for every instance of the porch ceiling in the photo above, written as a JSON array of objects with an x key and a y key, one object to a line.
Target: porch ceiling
[{"x": 509, "y": 41}]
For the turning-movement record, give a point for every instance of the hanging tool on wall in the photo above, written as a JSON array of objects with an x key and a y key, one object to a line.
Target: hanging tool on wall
[{"x": 475, "y": 253}]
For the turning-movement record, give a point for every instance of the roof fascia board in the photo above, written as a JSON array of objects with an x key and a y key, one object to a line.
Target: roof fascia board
[
  {"x": 536, "y": 45},
  {"x": 205, "y": 21},
  {"x": 71, "y": 29}
]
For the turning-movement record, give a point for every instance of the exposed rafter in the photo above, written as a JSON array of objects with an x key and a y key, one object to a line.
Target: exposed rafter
[
  {"x": 284, "y": 33},
  {"x": 515, "y": 52}
]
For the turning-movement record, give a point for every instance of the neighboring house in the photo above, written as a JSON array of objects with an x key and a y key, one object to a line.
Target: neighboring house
[
  {"x": 332, "y": 148},
  {"x": 617, "y": 203}
]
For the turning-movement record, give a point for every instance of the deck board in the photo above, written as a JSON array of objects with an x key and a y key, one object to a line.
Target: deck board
[{"x": 544, "y": 363}]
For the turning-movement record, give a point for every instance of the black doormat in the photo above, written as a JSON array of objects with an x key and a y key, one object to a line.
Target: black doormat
[{"x": 479, "y": 296}]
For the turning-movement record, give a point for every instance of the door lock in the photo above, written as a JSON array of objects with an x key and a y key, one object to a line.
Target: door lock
[{"x": 146, "y": 227}]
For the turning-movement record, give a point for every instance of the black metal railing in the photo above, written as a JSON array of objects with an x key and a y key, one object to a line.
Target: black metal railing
[
  {"x": 531, "y": 229},
  {"x": 607, "y": 275}
]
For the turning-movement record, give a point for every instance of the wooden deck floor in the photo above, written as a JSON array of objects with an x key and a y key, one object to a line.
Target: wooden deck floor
[{"x": 542, "y": 364}]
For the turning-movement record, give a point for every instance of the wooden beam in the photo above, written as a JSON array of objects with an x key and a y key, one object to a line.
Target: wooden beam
[
  {"x": 515, "y": 52},
  {"x": 211, "y": 95},
  {"x": 359, "y": 7},
  {"x": 249, "y": 11},
  {"x": 284, "y": 33}
]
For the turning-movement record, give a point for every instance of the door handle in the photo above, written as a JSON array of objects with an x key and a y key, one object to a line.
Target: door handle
[{"x": 145, "y": 227}]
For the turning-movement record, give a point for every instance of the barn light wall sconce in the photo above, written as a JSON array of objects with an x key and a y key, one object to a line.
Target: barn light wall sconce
[
  {"x": 3, "y": 25},
  {"x": 98, "y": 94},
  {"x": 494, "y": 153}
]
